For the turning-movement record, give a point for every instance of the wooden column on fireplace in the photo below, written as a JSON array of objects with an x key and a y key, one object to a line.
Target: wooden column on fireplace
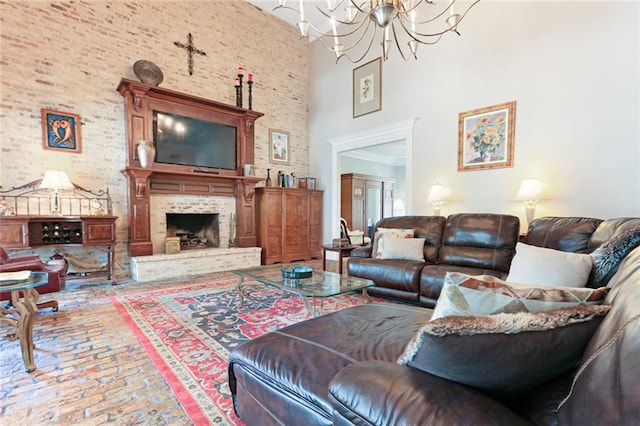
[{"x": 141, "y": 100}]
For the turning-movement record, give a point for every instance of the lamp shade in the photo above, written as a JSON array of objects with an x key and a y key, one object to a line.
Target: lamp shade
[
  {"x": 54, "y": 179},
  {"x": 437, "y": 194},
  {"x": 530, "y": 190}
]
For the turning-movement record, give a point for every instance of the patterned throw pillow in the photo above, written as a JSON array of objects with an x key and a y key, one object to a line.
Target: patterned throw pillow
[
  {"x": 403, "y": 248},
  {"x": 609, "y": 255},
  {"x": 504, "y": 353},
  {"x": 382, "y": 233},
  {"x": 486, "y": 295},
  {"x": 549, "y": 267}
]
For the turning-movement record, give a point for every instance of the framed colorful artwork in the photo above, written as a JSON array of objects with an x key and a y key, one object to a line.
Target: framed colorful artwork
[
  {"x": 61, "y": 131},
  {"x": 279, "y": 152},
  {"x": 486, "y": 137},
  {"x": 367, "y": 88}
]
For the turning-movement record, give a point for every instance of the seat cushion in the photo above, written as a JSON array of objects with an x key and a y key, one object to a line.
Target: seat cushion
[{"x": 289, "y": 370}]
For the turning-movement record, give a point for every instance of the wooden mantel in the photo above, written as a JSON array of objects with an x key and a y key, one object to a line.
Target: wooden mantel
[{"x": 140, "y": 101}]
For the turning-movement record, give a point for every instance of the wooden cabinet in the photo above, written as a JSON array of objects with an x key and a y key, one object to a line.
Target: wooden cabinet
[
  {"x": 365, "y": 198},
  {"x": 289, "y": 224},
  {"x": 22, "y": 232}
]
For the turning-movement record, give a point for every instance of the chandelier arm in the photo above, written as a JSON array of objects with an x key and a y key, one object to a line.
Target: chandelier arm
[
  {"x": 437, "y": 36},
  {"x": 321, "y": 33},
  {"x": 395, "y": 36},
  {"x": 404, "y": 14},
  {"x": 339, "y": 21},
  {"x": 373, "y": 36}
]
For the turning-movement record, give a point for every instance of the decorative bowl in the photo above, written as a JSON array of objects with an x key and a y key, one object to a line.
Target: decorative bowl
[
  {"x": 297, "y": 272},
  {"x": 148, "y": 72}
]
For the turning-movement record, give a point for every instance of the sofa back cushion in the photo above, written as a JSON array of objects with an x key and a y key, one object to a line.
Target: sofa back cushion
[
  {"x": 611, "y": 228},
  {"x": 428, "y": 227},
  {"x": 480, "y": 240},
  {"x": 571, "y": 234}
]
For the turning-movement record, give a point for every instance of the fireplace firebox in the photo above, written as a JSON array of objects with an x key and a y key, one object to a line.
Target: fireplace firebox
[{"x": 195, "y": 230}]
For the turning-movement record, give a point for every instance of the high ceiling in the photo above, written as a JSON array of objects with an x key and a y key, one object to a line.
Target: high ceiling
[{"x": 291, "y": 17}]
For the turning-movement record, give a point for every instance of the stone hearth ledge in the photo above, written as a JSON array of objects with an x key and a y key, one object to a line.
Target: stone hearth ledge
[{"x": 193, "y": 262}]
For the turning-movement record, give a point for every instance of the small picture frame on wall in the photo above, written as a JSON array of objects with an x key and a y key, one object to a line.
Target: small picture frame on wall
[
  {"x": 279, "y": 150},
  {"x": 486, "y": 137},
  {"x": 367, "y": 88},
  {"x": 61, "y": 131},
  {"x": 249, "y": 170}
]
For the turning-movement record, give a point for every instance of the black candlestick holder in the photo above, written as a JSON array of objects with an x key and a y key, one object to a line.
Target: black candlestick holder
[
  {"x": 250, "y": 85},
  {"x": 239, "y": 91}
]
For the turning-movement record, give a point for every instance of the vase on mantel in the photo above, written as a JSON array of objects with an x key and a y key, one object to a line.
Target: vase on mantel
[
  {"x": 146, "y": 153},
  {"x": 268, "y": 182}
]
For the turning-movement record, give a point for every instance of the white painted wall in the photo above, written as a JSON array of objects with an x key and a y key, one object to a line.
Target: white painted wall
[{"x": 573, "y": 69}]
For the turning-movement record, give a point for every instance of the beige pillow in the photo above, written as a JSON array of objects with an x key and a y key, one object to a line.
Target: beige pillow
[
  {"x": 486, "y": 295},
  {"x": 403, "y": 248},
  {"x": 548, "y": 267},
  {"x": 381, "y": 233}
]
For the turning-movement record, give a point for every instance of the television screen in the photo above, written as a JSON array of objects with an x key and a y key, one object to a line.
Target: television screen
[{"x": 194, "y": 142}]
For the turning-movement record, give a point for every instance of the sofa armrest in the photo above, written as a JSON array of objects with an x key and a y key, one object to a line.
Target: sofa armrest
[
  {"x": 363, "y": 252},
  {"x": 384, "y": 393},
  {"x": 31, "y": 265}
]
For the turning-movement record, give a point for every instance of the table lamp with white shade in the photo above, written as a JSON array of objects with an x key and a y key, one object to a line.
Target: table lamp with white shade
[
  {"x": 437, "y": 196},
  {"x": 530, "y": 193},
  {"x": 56, "y": 181}
]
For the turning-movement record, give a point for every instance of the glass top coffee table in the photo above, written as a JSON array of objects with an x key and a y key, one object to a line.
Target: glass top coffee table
[{"x": 320, "y": 285}]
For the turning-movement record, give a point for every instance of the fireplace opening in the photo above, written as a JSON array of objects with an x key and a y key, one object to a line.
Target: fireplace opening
[{"x": 195, "y": 230}]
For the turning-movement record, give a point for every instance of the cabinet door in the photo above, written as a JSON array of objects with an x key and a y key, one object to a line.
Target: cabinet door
[
  {"x": 273, "y": 223},
  {"x": 315, "y": 224},
  {"x": 99, "y": 231},
  {"x": 296, "y": 243},
  {"x": 14, "y": 233}
]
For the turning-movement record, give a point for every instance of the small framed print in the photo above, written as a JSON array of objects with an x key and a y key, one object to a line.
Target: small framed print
[
  {"x": 61, "y": 131},
  {"x": 249, "y": 170},
  {"x": 367, "y": 88},
  {"x": 279, "y": 152}
]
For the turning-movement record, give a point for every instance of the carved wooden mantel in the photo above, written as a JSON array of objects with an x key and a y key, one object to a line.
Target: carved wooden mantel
[{"x": 140, "y": 101}]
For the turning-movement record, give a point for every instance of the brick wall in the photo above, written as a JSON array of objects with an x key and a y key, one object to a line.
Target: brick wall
[{"x": 70, "y": 56}]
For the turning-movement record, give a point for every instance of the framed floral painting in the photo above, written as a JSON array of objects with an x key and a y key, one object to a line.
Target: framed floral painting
[
  {"x": 485, "y": 137},
  {"x": 279, "y": 147}
]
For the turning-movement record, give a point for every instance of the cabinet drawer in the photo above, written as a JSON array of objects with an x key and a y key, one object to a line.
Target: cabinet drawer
[
  {"x": 99, "y": 232},
  {"x": 293, "y": 249},
  {"x": 296, "y": 239},
  {"x": 13, "y": 234}
]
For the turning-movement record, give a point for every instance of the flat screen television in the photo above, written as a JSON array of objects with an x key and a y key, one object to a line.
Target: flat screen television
[{"x": 193, "y": 142}]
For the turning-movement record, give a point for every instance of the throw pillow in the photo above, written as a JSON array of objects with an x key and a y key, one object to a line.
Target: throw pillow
[
  {"x": 381, "y": 233},
  {"x": 403, "y": 248},
  {"x": 486, "y": 295},
  {"x": 504, "y": 353},
  {"x": 544, "y": 266},
  {"x": 610, "y": 254}
]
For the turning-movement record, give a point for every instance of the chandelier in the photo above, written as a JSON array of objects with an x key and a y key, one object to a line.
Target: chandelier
[{"x": 405, "y": 23}]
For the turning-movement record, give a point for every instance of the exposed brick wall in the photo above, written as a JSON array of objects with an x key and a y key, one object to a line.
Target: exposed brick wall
[{"x": 70, "y": 56}]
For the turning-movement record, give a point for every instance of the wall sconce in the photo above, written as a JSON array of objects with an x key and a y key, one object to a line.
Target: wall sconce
[
  {"x": 55, "y": 180},
  {"x": 530, "y": 193},
  {"x": 437, "y": 197}
]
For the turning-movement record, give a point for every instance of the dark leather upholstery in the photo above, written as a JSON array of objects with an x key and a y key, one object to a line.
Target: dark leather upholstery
[
  {"x": 470, "y": 243},
  {"x": 341, "y": 368},
  {"x": 571, "y": 234},
  {"x": 283, "y": 377},
  {"x": 31, "y": 262},
  {"x": 610, "y": 228}
]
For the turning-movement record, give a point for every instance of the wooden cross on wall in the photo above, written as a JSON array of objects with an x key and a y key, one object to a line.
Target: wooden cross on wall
[{"x": 191, "y": 49}]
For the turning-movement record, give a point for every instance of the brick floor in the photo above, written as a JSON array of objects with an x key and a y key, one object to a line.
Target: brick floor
[{"x": 91, "y": 369}]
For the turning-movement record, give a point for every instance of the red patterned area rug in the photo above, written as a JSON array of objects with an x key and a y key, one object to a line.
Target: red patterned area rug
[{"x": 189, "y": 331}]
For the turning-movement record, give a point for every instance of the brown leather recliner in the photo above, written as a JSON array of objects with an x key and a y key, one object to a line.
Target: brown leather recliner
[{"x": 31, "y": 262}]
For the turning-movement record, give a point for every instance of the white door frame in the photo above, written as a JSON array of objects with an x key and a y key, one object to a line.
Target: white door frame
[{"x": 402, "y": 130}]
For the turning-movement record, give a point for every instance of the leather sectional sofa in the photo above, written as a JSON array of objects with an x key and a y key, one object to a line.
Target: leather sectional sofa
[{"x": 342, "y": 368}]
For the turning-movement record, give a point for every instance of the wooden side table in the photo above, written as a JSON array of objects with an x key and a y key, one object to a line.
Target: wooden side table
[{"x": 342, "y": 251}]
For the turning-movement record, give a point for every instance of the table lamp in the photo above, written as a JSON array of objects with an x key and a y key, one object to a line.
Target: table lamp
[
  {"x": 437, "y": 196},
  {"x": 530, "y": 193},
  {"x": 56, "y": 181}
]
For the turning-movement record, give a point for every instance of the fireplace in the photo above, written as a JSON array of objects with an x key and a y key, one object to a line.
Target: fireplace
[{"x": 195, "y": 230}]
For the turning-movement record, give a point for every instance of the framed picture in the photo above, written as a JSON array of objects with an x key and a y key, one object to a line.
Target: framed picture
[
  {"x": 486, "y": 137},
  {"x": 367, "y": 88},
  {"x": 249, "y": 170},
  {"x": 279, "y": 152},
  {"x": 61, "y": 131}
]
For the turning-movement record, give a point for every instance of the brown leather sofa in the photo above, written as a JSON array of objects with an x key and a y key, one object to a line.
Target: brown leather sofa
[
  {"x": 474, "y": 244},
  {"x": 342, "y": 368}
]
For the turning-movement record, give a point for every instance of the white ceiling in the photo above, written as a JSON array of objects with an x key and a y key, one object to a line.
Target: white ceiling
[{"x": 291, "y": 17}]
